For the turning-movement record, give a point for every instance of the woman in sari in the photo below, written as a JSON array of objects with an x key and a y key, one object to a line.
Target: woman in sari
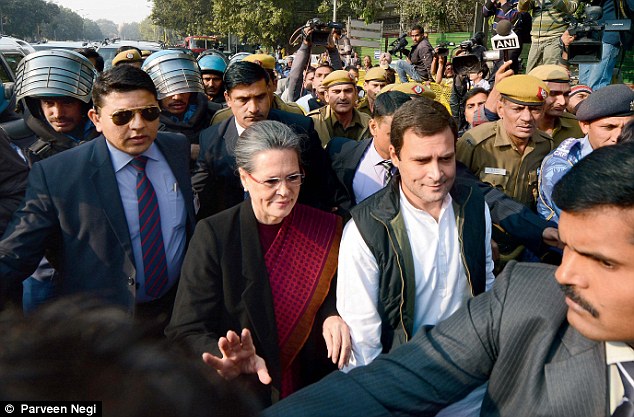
[{"x": 256, "y": 291}]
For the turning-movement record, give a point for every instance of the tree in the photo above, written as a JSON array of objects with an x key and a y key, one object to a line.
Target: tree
[
  {"x": 24, "y": 18},
  {"x": 108, "y": 28},
  {"x": 130, "y": 31},
  {"x": 187, "y": 17}
]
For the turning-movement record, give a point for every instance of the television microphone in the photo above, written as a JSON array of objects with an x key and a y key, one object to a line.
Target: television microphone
[{"x": 505, "y": 39}]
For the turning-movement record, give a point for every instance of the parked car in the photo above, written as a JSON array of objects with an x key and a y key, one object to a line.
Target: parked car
[
  {"x": 13, "y": 50},
  {"x": 109, "y": 50}
]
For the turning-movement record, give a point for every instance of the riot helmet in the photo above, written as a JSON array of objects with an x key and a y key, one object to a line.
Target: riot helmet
[{"x": 173, "y": 72}]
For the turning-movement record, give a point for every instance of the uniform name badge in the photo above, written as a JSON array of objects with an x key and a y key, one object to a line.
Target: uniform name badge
[{"x": 495, "y": 171}]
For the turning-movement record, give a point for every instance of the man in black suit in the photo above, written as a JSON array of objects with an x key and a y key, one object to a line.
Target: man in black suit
[
  {"x": 216, "y": 180},
  {"x": 83, "y": 207},
  {"x": 549, "y": 342}
]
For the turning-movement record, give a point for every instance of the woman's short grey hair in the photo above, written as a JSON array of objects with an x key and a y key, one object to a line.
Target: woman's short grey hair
[{"x": 265, "y": 136}]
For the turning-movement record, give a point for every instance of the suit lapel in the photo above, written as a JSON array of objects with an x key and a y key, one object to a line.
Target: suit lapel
[
  {"x": 106, "y": 190},
  {"x": 257, "y": 294},
  {"x": 577, "y": 371},
  {"x": 352, "y": 164},
  {"x": 230, "y": 135}
]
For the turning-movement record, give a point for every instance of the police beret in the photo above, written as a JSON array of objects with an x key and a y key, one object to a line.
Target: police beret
[
  {"x": 523, "y": 89},
  {"x": 375, "y": 74},
  {"x": 338, "y": 77},
  {"x": 124, "y": 57},
  {"x": 551, "y": 73},
  {"x": 263, "y": 60},
  {"x": 611, "y": 101},
  {"x": 410, "y": 88},
  {"x": 581, "y": 88}
]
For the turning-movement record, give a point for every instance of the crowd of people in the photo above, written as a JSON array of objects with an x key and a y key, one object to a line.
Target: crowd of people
[{"x": 311, "y": 252}]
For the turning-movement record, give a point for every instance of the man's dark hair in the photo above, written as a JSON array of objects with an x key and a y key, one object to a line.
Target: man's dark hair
[
  {"x": 121, "y": 78},
  {"x": 627, "y": 134},
  {"x": 77, "y": 349},
  {"x": 603, "y": 178},
  {"x": 308, "y": 70},
  {"x": 92, "y": 53},
  {"x": 245, "y": 73},
  {"x": 424, "y": 116},
  {"x": 387, "y": 103},
  {"x": 325, "y": 65},
  {"x": 351, "y": 67},
  {"x": 474, "y": 92},
  {"x": 126, "y": 48},
  {"x": 418, "y": 28}
]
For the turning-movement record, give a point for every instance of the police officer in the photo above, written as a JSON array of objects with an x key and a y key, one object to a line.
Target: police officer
[
  {"x": 212, "y": 68},
  {"x": 373, "y": 82},
  {"x": 54, "y": 90},
  {"x": 556, "y": 121},
  {"x": 602, "y": 117},
  {"x": 339, "y": 117},
  {"x": 508, "y": 153},
  {"x": 184, "y": 105}
]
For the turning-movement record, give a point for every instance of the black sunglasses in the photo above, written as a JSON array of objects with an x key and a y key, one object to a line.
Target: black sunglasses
[{"x": 123, "y": 117}]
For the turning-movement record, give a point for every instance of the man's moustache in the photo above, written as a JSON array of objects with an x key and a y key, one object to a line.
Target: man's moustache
[{"x": 569, "y": 292}]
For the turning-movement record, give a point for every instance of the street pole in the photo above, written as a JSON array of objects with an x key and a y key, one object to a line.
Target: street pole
[{"x": 334, "y": 10}]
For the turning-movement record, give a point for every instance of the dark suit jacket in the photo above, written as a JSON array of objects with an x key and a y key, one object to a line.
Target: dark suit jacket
[
  {"x": 516, "y": 336},
  {"x": 216, "y": 177},
  {"x": 73, "y": 209},
  {"x": 224, "y": 286},
  {"x": 345, "y": 155}
]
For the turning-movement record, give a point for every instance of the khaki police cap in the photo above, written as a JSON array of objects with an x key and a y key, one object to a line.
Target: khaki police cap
[
  {"x": 263, "y": 60},
  {"x": 410, "y": 88},
  {"x": 523, "y": 89},
  {"x": 124, "y": 57},
  {"x": 338, "y": 77},
  {"x": 551, "y": 73},
  {"x": 375, "y": 74}
]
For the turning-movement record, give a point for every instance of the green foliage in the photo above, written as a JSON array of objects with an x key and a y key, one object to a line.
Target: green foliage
[
  {"x": 108, "y": 28},
  {"x": 183, "y": 16},
  {"x": 23, "y": 18}
]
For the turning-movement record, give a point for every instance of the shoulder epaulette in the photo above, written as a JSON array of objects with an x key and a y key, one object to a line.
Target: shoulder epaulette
[{"x": 480, "y": 133}]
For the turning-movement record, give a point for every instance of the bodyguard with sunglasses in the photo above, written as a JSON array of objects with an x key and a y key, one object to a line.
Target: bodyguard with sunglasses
[{"x": 114, "y": 214}]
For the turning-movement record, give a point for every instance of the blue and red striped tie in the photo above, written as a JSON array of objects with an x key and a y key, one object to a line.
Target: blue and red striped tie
[{"x": 154, "y": 261}]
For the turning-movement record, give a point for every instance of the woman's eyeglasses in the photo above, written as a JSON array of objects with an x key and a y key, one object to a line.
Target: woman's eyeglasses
[
  {"x": 123, "y": 117},
  {"x": 275, "y": 183}
]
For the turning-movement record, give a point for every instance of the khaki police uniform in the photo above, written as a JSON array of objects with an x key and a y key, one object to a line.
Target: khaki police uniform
[
  {"x": 566, "y": 125},
  {"x": 326, "y": 123},
  {"x": 373, "y": 74},
  {"x": 488, "y": 151}
]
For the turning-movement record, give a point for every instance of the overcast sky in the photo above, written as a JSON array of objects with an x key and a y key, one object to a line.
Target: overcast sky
[{"x": 119, "y": 11}]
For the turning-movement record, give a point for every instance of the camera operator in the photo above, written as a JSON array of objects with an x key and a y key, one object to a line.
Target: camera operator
[
  {"x": 418, "y": 63},
  {"x": 550, "y": 21},
  {"x": 598, "y": 75},
  {"x": 302, "y": 60}
]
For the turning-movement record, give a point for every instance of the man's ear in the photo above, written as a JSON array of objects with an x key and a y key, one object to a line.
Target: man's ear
[{"x": 95, "y": 118}]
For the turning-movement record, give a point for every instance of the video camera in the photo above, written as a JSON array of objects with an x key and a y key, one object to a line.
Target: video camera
[
  {"x": 587, "y": 46},
  {"x": 321, "y": 30},
  {"x": 442, "y": 49},
  {"x": 468, "y": 61},
  {"x": 398, "y": 45}
]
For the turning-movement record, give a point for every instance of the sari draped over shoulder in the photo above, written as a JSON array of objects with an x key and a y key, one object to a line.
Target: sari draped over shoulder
[{"x": 301, "y": 262}]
